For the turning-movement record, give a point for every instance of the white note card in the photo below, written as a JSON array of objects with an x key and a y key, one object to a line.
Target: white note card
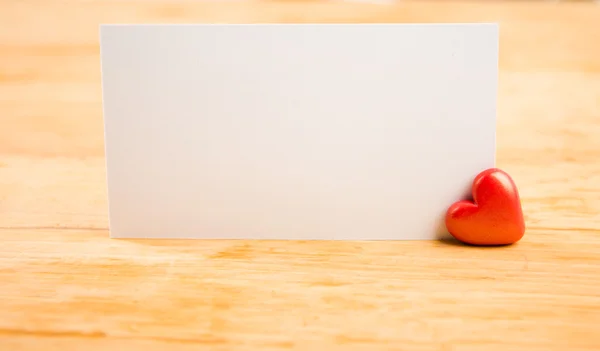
[{"x": 295, "y": 131}]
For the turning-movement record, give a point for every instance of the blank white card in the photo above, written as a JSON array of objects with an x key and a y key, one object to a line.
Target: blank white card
[{"x": 295, "y": 131}]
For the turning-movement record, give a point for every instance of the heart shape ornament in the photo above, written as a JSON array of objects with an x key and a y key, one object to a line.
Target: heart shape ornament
[{"x": 494, "y": 217}]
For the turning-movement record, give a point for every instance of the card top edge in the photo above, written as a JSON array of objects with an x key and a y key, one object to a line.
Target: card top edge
[{"x": 493, "y": 24}]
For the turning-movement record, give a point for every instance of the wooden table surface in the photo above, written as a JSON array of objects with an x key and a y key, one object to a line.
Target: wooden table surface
[{"x": 64, "y": 285}]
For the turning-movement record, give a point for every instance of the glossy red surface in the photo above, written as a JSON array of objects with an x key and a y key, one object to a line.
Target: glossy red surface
[{"x": 494, "y": 217}]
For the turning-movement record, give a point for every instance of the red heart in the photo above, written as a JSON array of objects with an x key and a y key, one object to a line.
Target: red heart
[{"x": 494, "y": 217}]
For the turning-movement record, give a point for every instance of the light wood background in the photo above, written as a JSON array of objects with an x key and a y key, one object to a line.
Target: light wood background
[{"x": 65, "y": 286}]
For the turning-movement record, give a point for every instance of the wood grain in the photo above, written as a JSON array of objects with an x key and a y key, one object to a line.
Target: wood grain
[{"x": 66, "y": 286}]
